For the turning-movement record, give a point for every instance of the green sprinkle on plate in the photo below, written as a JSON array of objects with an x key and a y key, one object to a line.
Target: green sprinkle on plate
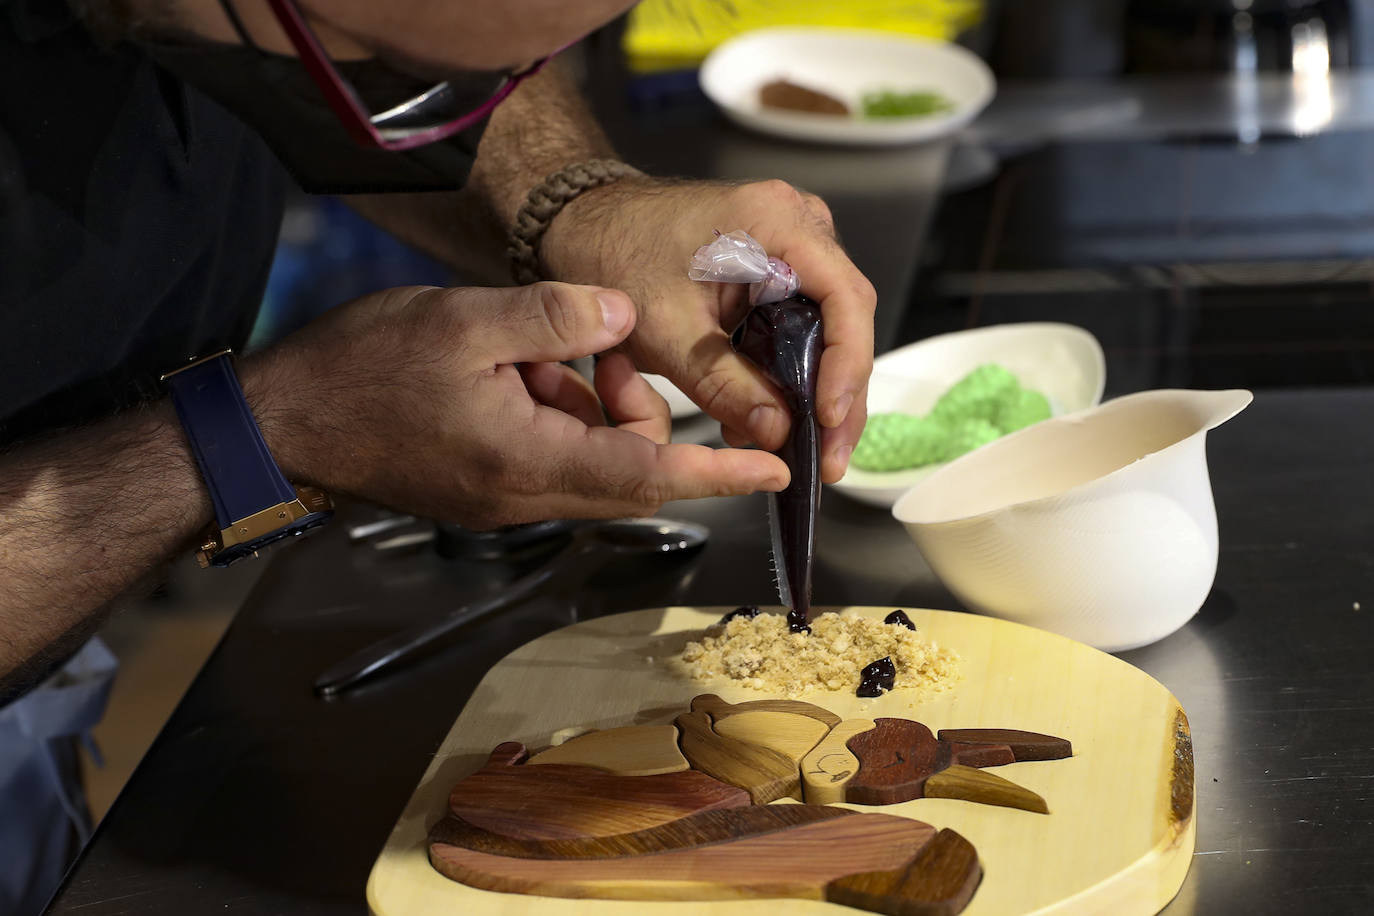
[{"x": 888, "y": 103}]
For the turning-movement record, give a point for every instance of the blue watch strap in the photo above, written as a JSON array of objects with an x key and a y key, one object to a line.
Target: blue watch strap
[{"x": 239, "y": 471}]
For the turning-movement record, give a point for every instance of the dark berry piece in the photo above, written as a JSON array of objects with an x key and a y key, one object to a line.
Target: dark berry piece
[
  {"x": 877, "y": 678},
  {"x": 901, "y": 619}
]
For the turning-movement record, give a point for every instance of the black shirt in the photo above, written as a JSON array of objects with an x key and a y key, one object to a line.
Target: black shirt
[{"x": 137, "y": 223}]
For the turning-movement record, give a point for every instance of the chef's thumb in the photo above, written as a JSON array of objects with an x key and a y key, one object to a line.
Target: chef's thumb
[{"x": 547, "y": 322}]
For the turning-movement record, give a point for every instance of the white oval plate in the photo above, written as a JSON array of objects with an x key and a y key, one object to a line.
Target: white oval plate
[
  {"x": 845, "y": 63},
  {"x": 1061, "y": 361}
]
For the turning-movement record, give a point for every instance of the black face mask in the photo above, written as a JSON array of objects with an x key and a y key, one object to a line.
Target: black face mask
[{"x": 275, "y": 96}]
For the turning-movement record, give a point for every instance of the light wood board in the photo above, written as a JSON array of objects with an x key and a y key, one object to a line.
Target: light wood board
[{"x": 1118, "y": 838}]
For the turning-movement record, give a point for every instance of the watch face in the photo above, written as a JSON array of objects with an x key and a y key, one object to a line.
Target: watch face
[{"x": 304, "y": 525}]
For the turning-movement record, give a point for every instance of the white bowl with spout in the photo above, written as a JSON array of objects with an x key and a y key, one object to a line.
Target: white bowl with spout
[{"x": 1099, "y": 525}]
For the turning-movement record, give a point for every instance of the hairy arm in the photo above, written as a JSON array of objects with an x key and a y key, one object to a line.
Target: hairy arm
[
  {"x": 636, "y": 235},
  {"x": 543, "y": 126},
  {"x": 85, "y": 516},
  {"x": 407, "y": 397}
]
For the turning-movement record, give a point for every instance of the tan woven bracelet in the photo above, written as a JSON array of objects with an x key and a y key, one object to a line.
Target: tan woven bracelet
[{"x": 546, "y": 200}]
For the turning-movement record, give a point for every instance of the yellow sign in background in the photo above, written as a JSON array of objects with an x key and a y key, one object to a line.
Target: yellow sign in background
[{"x": 676, "y": 34}]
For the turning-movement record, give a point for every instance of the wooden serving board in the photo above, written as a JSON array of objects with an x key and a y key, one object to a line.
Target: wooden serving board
[{"x": 1118, "y": 838}]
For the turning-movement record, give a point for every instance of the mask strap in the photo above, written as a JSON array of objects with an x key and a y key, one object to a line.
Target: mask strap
[{"x": 237, "y": 23}]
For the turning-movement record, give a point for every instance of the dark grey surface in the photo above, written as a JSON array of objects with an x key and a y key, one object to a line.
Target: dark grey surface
[{"x": 259, "y": 798}]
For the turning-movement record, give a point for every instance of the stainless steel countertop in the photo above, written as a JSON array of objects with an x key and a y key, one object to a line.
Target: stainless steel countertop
[
  {"x": 259, "y": 798},
  {"x": 1244, "y": 106}
]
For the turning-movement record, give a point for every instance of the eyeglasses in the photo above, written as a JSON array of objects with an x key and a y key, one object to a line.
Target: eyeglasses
[{"x": 428, "y": 117}]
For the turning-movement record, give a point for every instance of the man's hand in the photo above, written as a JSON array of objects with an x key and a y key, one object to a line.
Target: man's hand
[
  {"x": 638, "y": 235},
  {"x": 452, "y": 403}
]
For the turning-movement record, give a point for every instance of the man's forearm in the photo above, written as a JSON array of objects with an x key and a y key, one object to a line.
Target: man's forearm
[
  {"x": 543, "y": 126},
  {"x": 83, "y": 516}
]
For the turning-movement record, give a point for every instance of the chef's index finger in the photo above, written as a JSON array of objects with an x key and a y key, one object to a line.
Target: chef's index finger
[{"x": 627, "y": 473}]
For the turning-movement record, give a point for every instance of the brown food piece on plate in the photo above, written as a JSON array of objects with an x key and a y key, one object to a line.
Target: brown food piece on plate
[{"x": 788, "y": 95}]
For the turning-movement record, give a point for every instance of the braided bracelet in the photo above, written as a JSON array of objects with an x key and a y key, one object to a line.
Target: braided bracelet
[{"x": 546, "y": 200}]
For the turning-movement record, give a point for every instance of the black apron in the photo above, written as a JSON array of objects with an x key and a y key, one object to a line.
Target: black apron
[{"x": 137, "y": 223}]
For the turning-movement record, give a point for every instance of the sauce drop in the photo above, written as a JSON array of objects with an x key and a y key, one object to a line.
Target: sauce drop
[
  {"x": 877, "y": 678},
  {"x": 747, "y": 611},
  {"x": 900, "y": 618}
]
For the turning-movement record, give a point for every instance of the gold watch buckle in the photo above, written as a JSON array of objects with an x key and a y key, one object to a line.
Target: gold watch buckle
[{"x": 308, "y": 500}]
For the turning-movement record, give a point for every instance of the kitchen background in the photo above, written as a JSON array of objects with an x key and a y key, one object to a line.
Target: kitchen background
[{"x": 1190, "y": 180}]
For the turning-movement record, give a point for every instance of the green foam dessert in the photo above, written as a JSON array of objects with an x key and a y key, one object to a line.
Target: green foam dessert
[
  {"x": 982, "y": 406},
  {"x": 980, "y": 394},
  {"x": 967, "y": 434},
  {"x": 1020, "y": 409},
  {"x": 893, "y": 441}
]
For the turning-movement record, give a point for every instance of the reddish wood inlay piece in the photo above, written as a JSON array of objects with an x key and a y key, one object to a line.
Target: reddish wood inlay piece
[
  {"x": 795, "y": 862},
  {"x": 974, "y": 755},
  {"x": 563, "y": 800},
  {"x": 895, "y": 758},
  {"x": 939, "y": 882},
  {"x": 1023, "y": 745},
  {"x": 701, "y": 829}
]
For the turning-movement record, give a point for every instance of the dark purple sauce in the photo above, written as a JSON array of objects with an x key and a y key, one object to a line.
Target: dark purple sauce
[
  {"x": 785, "y": 341},
  {"x": 747, "y": 611},
  {"x": 900, "y": 618},
  {"x": 877, "y": 678}
]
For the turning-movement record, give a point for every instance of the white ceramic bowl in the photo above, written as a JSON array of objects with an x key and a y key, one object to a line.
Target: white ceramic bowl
[
  {"x": 845, "y": 63},
  {"x": 1099, "y": 526},
  {"x": 679, "y": 405},
  {"x": 1061, "y": 361}
]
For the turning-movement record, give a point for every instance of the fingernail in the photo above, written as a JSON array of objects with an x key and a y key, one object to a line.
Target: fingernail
[
  {"x": 773, "y": 485},
  {"x": 842, "y": 455},
  {"x": 616, "y": 310},
  {"x": 841, "y": 408}
]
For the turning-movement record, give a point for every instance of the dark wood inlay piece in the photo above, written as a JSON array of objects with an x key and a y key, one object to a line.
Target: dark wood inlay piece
[
  {"x": 940, "y": 881},
  {"x": 559, "y": 800},
  {"x": 1024, "y": 745},
  {"x": 702, "y": 829},
  {"x": 895, "y": 758}
]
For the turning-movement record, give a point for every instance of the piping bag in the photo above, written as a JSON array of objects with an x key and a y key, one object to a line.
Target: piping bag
[{"x": 782, "y": 336}]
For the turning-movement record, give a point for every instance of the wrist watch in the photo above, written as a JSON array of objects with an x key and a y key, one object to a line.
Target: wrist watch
[{"x": 254, "y": 503}]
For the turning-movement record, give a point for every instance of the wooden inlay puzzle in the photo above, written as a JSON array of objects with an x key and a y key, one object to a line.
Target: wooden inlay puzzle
[{"x": 683, "y": 811}]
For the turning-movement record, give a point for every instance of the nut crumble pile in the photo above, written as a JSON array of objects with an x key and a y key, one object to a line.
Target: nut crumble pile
[{"x": 760, "y": 652}]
